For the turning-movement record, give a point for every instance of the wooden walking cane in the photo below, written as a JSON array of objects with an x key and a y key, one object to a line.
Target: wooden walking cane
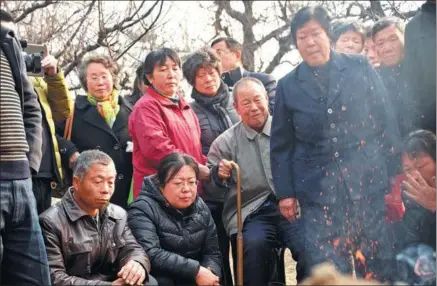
[{"x": 239, "y": 227}]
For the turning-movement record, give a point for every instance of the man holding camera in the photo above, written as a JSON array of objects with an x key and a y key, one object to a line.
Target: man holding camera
[
  {"x": 56, "y": 105},
  {"x": 22, "y": 251}
]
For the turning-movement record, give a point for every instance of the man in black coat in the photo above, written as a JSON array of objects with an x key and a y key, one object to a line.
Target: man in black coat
[
  {"x": 22, "y": 252},
  {"x": 230, "y": 52},
  {"x": 388, "y": 36},
  {"x": 420, "y": 65}
]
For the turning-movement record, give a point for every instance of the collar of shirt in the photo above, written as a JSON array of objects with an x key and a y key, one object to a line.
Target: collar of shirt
[{"x": 251, "y": 134}]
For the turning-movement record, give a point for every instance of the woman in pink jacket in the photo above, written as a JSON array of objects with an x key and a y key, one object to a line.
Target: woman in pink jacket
[{"x": 162, "y": 122}]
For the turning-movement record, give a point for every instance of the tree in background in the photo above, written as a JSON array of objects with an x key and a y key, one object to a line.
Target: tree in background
[
  {"x": 72, "y": 29},
  {"x": 251, "y": 22},
  {"x": 127, "y": 30}
]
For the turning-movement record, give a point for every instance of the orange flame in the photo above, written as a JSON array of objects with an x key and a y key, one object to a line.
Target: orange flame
[
  {"x": 368, "y": 276},
  {"x": 359, "y": 255},
  {"x": 336, "y": 242}
]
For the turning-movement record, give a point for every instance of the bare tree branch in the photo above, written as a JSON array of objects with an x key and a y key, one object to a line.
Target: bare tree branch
[
  {"x": 70, "y": 39},
  {"x": 35, "y": 6},
  {"x": 226, "y": 5},
  {"x": 145, "y": 32},
  {"x": 284, "y": 47}
]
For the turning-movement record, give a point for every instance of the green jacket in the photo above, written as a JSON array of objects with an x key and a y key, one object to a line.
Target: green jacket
[{"x": 56, "y": 103}]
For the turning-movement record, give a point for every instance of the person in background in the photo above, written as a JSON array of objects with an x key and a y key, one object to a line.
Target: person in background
[
  {"x": 369, "y": 48},
  {"x": 420, "y": 58},
  {"x": 140, "y": 87},
  {"x": 419, "y": 165},
  {"x": 416, "y": 237},
  {"x": 162, "y": 122},
  {"x": 388, "y": 36},
  {"x": 174, "y": 225},
  {"x": 56, "y": 105},
  {"x": 349, "y": 37},
  {"x": 23, "y": 259},
  {"x": 214, "y": 107},
  {"x": 329, "y": 154},
  {"x": 100, "y": 121},
  {"x": 231, "y": 52},
  {"x": 247, "y": 143},
  {"x": 87, "y": 238}
]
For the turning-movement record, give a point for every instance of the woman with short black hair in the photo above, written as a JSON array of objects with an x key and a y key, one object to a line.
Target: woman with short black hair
[
  {"x": 162, "y": 122},
  {"x": 174, "y": 225},
  {"x": 332, "y": 136}
]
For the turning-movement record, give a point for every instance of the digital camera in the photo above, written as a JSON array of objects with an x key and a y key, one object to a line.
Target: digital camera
[{"x": 33, "y": 59}]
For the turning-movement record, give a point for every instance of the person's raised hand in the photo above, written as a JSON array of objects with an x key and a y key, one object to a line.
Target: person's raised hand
[
  {"x": 49, "y": 63},
  {"x": 417, "y": 189}
]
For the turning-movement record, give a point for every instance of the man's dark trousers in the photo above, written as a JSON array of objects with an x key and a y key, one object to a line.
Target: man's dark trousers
[{"x": 263, "y": 230}]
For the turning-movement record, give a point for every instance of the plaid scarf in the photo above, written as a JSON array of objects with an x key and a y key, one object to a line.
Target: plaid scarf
[{"x": 107, "y": 107}]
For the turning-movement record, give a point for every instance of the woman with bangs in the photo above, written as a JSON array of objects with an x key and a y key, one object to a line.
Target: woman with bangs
[{"x": 162, "y": 122}]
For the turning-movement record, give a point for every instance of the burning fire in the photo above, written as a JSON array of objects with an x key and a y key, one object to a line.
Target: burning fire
[
  {"x": 368, "y": 276},
  {"x": 360, "y": 257}
]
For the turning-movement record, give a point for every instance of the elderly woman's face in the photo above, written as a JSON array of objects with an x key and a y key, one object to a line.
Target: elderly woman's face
[
  {"x": 166, "y": 78},
  {"x": 422, "y": 163},
  {"x": 181, "y": 191},
  {"x": 99, "y": 80},
  {"x": 313, "y": 44},
  {"x": 349, "y": 42},
  {"x": 207, "y": 81}
]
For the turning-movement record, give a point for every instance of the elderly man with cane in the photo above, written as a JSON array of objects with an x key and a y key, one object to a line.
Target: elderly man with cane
[{"x": 247, "y": 144}]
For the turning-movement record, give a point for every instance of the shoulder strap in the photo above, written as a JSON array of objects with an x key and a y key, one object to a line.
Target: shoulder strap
[{"x": 69, "y": 125}]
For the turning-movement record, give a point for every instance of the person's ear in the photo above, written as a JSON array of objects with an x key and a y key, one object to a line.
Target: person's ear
[
  {"x": 76, "y": 182},
  {"x": 149, "y": 77},
  {"x": 238, "y": 54}
]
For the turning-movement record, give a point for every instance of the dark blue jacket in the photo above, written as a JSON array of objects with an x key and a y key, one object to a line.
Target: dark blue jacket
[
  {"x": 30, "y": 108},
  {"x": 322, "y": 147}
]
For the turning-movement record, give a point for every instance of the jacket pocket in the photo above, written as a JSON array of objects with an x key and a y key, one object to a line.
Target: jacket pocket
[
  {"x": 74, "y": 248},
  {"x": 78, "y": 257}
]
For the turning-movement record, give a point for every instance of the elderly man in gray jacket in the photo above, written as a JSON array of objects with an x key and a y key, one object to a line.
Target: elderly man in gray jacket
[{"x": 247, "y": 143}]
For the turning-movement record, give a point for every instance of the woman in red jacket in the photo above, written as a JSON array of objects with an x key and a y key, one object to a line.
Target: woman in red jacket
[{"x": 162, "y": 122}]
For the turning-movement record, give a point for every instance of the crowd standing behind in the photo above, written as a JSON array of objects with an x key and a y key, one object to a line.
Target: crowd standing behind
[{"x": 147, "y": 180}]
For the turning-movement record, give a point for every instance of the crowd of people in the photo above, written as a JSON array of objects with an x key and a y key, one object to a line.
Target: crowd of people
[{"x": 337, "y": 161}]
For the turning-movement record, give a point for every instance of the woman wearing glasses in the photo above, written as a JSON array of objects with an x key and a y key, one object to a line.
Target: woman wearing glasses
[
  {"x": 100, "y": 121},
  {"x": 174, "y": 225}
]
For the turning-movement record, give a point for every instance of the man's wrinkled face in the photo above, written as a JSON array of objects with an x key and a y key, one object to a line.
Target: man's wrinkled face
[
  {"x": 252, "y": 105},
  {"x": 96, "y": 187},
  {"x": 389, "y": 45}
]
